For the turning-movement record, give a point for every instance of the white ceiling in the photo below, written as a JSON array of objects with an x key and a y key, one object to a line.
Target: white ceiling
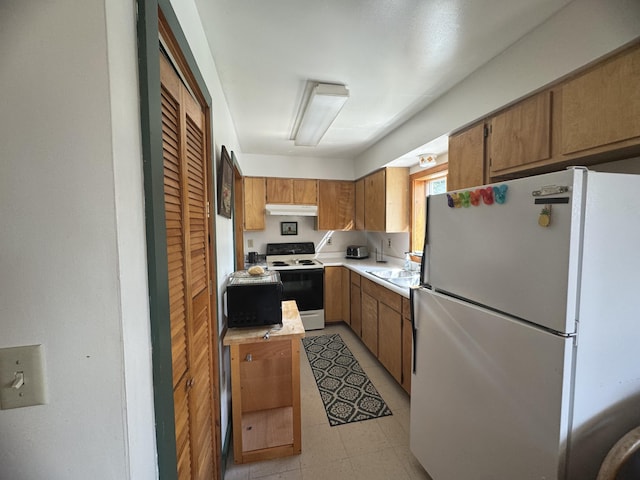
[{"x": 395, "y": 56}]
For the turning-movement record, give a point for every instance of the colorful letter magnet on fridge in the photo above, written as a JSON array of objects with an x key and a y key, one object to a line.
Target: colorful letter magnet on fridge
[{"x": 500, "y": 193}]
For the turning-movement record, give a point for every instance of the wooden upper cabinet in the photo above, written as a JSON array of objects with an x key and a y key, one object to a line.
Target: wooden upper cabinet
[
  {"x": 336, "y": 205},
  {"x": 520, "y": 135},
  {"x": 292, "y": 191},
  {"x": 305, "y": 192},
  {"x": 254, "y": 191},
  {"x": 466, "y": 158},
  {"x": 601, "y": 108},
  {"x": 386, "y": 200},
  {"x": 360, "y": 204},
  {"x": 374, "y": 201}
]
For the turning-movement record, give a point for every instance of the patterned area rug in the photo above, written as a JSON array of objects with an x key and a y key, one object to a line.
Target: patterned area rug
[{"x": 347, "y": 393}]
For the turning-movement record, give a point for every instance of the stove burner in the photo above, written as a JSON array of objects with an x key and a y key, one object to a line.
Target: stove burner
[
  {"x": 306, "y": 262},
  {"x": 278, "y": 263}
]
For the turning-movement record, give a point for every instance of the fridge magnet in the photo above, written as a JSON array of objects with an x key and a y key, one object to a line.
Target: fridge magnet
[
  {"x": 544, "y": 220},
  {"x": 475, "y": 197},
  {"x": 487, "y": 195},
  {"x": 288, "y": 228},
  {"x": 453, "y": 200},
  {"x": 500, "y": 193},
  {"x": 465, "y": 199}
]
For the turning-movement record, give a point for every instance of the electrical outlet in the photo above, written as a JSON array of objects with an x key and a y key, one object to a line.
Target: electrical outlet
[
  {"x": 388, "y": 242},
  {"x": 250, "y": 243},
  {"x": 329, "y": 241}
]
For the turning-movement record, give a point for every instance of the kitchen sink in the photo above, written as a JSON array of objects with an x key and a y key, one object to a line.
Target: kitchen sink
[{"x": 398, "y": 276}]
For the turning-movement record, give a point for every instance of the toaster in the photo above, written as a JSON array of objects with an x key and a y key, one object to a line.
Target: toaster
[{"x": 357, "y": 251}]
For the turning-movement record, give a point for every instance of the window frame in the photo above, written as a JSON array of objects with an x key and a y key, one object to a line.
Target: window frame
[{"x": 419, "y": 183}]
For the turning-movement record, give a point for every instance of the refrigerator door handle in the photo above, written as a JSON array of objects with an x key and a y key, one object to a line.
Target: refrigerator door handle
[{"x": 413, "y": 326}]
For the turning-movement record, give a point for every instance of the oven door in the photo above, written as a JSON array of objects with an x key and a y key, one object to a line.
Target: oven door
[{"x": 305, "y": 286}]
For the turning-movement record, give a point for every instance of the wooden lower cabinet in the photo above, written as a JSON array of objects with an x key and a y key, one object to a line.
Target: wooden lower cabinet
[
  {"x": 369, "y": 306},
  {"x": 265, "y": 389},
  {"x": 407, "y": 345},
  {"x": 382, "y": 319},
  {"x": 390, "y": 340},
  {"x": 336, "y": 295},
  {"x": 346, "y": 291},
  {"x": 332, "y": 294},
  {"x": 356, "y": 304}
]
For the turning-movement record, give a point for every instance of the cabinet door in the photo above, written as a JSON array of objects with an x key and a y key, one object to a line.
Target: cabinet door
[
  {"x": 360, "y": 204},
  {"x": 375, "y": 202},
  {"x": 602, "y": 106},
  {"x": 305, "y": 192},
  {"x": 332, "y": 294},
  {"x": 390, "y": 340},
  {"x": 466, "y": 158},
  {"x": 254, "y": 203},
  {"x": 397, "y": 199},
  {"x": 356, "y": 312},
  {"x": 407, "y": 345},
  {"x": 279, "y": 190},
  {"x": 370, "y": 322},
  {"x": 521, "y": 135},
  {"x": 346, "y": 294},
  {"x": 407, "y": 354},
  {"x": 336, "y": 205}
]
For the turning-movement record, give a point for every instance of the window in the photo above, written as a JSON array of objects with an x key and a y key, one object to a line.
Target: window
[{"x": 429, "y": 182}]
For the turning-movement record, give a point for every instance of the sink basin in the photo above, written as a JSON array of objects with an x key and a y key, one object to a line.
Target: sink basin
[{"x": 398, "y": 276}]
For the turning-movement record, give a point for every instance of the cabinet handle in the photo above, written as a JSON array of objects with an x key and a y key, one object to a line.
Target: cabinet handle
[{"x": 249, "y": 357}]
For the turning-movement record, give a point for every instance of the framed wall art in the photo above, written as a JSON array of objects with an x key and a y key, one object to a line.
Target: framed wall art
[
  {"x": 225, "y": 184},
  {"x": 288, "y": 228}
]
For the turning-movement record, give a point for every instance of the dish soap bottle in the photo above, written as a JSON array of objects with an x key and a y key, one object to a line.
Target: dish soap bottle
[{"x": 407, "y": 261}]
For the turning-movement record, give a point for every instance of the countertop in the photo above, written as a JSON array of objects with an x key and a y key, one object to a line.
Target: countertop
[
  {"x": 291, "y": 327},
  {"x": 364, "y": 266}
]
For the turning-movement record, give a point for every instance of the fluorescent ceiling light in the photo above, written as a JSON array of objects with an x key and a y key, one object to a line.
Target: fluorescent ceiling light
[{"x": 324, "y": 104}]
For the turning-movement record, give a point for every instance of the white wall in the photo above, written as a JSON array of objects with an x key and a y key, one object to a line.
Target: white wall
[
  {"x": 297, "y": 167},
  {"x": 72, "y": 250},
  {"x": 582, "y": 32}
]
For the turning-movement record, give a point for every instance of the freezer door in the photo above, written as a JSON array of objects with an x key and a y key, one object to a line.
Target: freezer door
[
  {"x": 489, "y": 396},
  {"x": 500, "y": 256}
]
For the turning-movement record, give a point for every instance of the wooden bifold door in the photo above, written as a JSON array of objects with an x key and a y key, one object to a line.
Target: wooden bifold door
[{"x": 187, "y": 225}]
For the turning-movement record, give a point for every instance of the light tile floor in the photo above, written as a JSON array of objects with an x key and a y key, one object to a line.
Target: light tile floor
[{"x": 369, "y": 450}]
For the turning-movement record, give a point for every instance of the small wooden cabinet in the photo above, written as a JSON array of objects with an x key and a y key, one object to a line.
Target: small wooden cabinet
[
  {"x": 466, "y": 158},
  {"x": 520, "y": 135},
  {"x": 295, "y": 191},
  {"x": 265, "y": 389},
  {"x": 601, "y": 107},
  {"x": 386, "y": 200},
  {"x": 336, "y": 205},
  {"x": 254, "y": 194}
]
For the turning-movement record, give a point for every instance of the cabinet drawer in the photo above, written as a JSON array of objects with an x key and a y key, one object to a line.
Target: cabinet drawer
[
  {"x": 355, "y": 278},
  {"x": 383, "y": 295}
]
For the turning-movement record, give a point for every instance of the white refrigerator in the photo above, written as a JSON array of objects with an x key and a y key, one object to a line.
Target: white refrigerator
[{"x": 527, "y": 328}]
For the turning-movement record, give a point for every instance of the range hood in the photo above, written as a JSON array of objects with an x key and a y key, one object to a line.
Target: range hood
[{"x": 292, "y": 210}]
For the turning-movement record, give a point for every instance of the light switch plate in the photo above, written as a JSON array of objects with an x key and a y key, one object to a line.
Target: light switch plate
[{"x": 29, "y": 361}]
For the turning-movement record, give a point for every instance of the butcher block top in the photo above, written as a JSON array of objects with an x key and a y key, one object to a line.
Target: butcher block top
[{"x": 292, "y": 327}]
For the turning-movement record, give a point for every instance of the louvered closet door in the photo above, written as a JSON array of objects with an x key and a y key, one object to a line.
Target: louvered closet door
[{"x": 185, "y": 187}]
